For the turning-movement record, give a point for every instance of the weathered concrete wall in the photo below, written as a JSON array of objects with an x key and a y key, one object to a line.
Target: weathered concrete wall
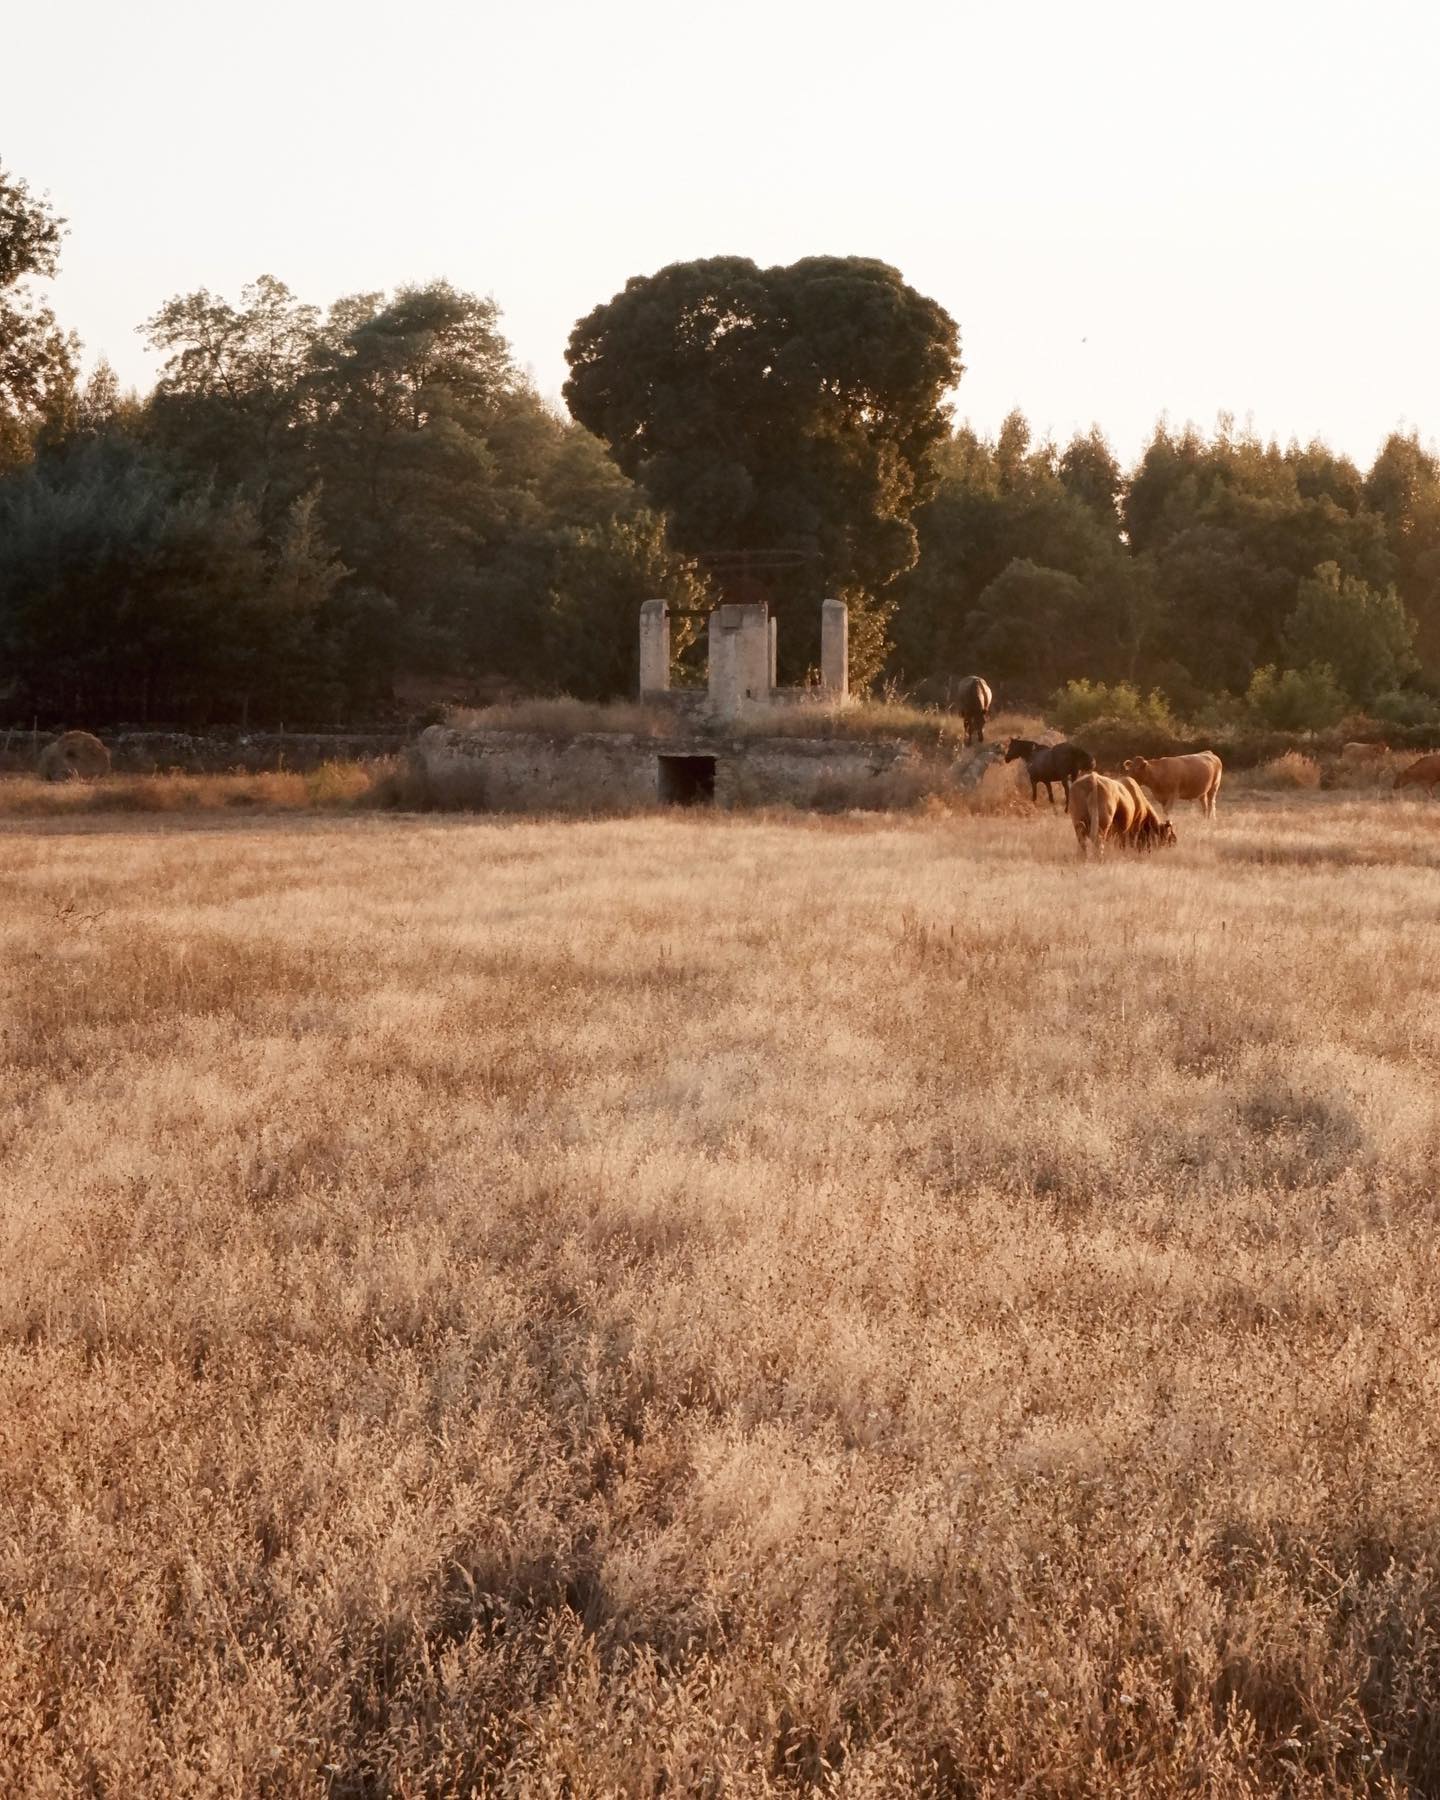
[
  {"x": 514, "y": 771},
  {"x": 739, "y": 654},
  {"x": 804, "y": 771},
  {"x": 654, "y": 648},
  {"x": 619, "y": 772},
  {"x": 835, "y": 649}
]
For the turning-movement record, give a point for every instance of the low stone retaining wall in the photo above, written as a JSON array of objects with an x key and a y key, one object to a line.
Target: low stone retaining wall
[
  {"x": 154, "y": 752},
  {"x": 609, "y": 772}
]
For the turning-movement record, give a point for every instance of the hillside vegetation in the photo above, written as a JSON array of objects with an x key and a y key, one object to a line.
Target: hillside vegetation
[{"x": 709, "y": 1306}]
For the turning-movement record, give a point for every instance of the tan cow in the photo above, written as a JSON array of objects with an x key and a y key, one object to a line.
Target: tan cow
[
  {"x": 1149, "y": 828},
  {"x": 1094, "y": 802},
  {"x": 1172, "y": 778},
  {"x": 1423, "y": 773},
  {"x": 1107, "y": 810},
  {"x": 1364, "y": 753}
]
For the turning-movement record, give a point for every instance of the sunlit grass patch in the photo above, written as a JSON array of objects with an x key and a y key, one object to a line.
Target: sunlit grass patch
[{"x": 859, "y": 1302}]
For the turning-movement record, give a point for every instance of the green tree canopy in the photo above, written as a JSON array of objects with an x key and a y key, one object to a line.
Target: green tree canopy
[
  {"x": 1022, "y": 572},
  {"x": 37, "y": 358},
  {"x": 793, "y": 408},
  {"x": 1365, "y": 636},
  {"x": 451, "y": 493},
  {"x": 231, "y": 393},
  {"x": 130, "y": 592},
  {"x": 1308, "y": 699}
]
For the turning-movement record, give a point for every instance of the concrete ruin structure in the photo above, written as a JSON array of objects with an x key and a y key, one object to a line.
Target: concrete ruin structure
[
  {"x": 622, "y": 771},
  {"x": 700, "y": 746},
  {"x": 742, "y": 650}
]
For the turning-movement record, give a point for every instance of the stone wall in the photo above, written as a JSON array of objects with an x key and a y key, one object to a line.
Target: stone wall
[
  {"x": 155, "y": 752},
  {"x": 520, "y": 771},
  {"x": 617, "y": 772}
]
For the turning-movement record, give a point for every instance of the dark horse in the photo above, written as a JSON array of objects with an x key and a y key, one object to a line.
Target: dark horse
[
  {"x": 1050, "y": 762},
  {"x": 972, "y": 701}
]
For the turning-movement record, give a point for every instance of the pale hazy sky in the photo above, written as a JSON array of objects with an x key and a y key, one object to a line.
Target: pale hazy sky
[{"x": 1129, "y": 206}]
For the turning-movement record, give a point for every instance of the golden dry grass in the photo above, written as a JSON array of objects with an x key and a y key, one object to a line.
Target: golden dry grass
[
  {"x": 332, "y": 786},
  {"x": 861, "y": 717},
  {"x": 1292, "y": 769},
  {"x": 720, "y": 1306}
]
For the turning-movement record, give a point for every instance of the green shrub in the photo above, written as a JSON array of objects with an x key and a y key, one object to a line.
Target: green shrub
[
  {"x": 1084, "y": 702},
  {"x": 1308, "y": 699},
  {"x": 1363, "y": 635},
  {"x": 1398, "y": 707}
]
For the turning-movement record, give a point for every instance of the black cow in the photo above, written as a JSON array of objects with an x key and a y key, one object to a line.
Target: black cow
[
  {"x": 972, "y": 700},
  {"x": 1045, "y": 763}
]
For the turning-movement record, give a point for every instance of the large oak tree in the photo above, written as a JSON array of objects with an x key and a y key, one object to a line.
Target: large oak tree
[{"x": 794, "y": 409}]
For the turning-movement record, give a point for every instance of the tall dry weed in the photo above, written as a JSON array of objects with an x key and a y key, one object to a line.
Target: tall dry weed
[{"x": 333, "y": 786}]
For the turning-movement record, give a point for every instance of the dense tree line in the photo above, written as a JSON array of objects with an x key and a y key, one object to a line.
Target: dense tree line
[
  {"x": 1214, "y": 557},
  {"x": 314, "y": 516},
  {"x": 331, "y": 515}
]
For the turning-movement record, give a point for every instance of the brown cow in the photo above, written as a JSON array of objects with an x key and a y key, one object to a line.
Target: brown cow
[
  {"x": 1150, "y": 829},
  {"x": 1106, "y": 810},
  {"x": 1172, "y": 778},
  {"x": 1094, "y": 802},
  {"x": 1423, "y": 773}
]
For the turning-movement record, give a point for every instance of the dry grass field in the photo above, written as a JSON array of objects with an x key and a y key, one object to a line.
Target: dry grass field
[{"x": 720, "y": 1306}]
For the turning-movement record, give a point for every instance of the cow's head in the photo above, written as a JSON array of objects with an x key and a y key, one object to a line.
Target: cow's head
[
  {"x": 1018, "y": 747},
  {"x": 1136, "y": 766}
]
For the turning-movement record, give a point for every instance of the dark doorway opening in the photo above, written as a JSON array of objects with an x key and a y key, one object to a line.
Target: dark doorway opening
[{"x": 687, "y": 780}]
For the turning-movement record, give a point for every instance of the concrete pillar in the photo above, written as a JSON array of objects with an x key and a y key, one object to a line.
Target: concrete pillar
[
  {"x": 739, "y": 658},
  {"x": 774, "y": 654},
  {"x": 654, "y": 648},
  {"x": 835, "y": 649}
]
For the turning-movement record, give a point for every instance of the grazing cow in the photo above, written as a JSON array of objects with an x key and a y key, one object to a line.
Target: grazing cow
[
  {"x": 1106, "y": 809},
  {"x": 1098, "y": 806},
  {"x": 1045, "y": 763},
  {"x": 1149, "y": 829},
  {"x": 1423, "y": 773},
  {"x": 973, "y": 698},
  {"x": 1172, "y": 778},
  {"x": 1364, "y": 753}
]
